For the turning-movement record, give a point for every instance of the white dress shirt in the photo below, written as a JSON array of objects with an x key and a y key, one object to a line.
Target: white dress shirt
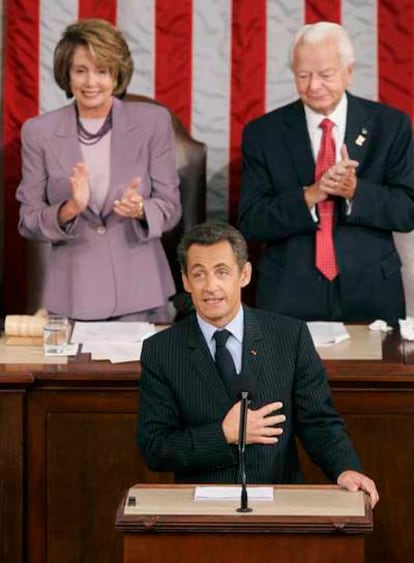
[
  {"x": 338, "y": 117},
  {"x": 235, "y": 342},
  {"x": 313, "y": 120}
]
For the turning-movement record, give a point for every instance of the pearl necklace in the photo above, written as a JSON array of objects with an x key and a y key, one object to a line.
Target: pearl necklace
[{"x": 86, "y": 137}]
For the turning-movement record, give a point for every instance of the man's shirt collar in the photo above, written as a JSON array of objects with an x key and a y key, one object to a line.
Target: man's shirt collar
[
  {"x": 235, "y": 326},
  {"x": 338, "y": 116}
]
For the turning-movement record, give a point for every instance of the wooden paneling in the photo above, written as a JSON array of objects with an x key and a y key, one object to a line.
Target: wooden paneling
[
  {"x": 83, "y": 454},
  {"x": 11, "y": 476},
  {"x": 67, "y": 437},
  {"x": 181, "y": 548},
  {"x": 380, "y": 425}
]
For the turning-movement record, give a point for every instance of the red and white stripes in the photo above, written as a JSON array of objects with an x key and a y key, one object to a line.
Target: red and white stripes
[{"x": 216, "y": 63}]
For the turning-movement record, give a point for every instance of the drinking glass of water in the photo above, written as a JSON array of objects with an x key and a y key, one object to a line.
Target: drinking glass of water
[{"x": 55, "y": 335}]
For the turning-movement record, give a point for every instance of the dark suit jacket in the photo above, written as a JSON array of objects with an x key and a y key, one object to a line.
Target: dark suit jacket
[
  {"x": 278, "y": 163},
  {"x": 183, "y": 402}
]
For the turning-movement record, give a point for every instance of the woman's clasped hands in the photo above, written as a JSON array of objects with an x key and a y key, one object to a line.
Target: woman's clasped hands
[{"x": 131, "y": 203}]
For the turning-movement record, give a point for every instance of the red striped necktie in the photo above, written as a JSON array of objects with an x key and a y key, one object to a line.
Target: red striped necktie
[{"x": 325, "y": 250}]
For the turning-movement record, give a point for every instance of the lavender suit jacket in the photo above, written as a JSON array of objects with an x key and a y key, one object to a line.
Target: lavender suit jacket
[{"x": 103, "y": 265}]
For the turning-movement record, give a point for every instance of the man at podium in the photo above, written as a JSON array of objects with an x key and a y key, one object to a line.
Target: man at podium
[{"x": 189, "y": 407}]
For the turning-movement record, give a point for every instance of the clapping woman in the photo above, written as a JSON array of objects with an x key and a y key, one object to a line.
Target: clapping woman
[{"x": 99, "y": 183}]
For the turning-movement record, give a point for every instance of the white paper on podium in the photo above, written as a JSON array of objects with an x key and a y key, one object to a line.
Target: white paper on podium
[
  {"x": 114, "y": 341},
  {"x": 114, "y": 351},
  {"x": 111, "y": 330},
  {"x": 327, "y": 333},
  {"x": 232, "y": 493}
]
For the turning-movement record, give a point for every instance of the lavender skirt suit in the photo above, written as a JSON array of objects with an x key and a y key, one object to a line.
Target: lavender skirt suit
[{"x": 103, "y": 265}]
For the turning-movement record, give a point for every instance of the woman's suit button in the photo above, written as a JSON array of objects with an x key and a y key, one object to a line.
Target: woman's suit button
[{"x": 101, "y": 230}]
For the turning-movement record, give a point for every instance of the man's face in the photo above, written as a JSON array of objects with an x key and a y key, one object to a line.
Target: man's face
[
  {"x": 320, "y": 76},
  {"x": 214, "y": 281}
]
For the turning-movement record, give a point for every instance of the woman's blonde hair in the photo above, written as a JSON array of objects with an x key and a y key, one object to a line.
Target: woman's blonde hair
[{"x": 107, "y": 47}]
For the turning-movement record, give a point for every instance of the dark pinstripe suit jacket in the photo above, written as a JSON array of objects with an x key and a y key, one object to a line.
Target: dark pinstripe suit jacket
[{"x": 183, "y": 402}]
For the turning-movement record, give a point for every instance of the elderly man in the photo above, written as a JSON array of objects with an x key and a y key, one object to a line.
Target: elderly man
[
  {"x": 189, "y": 416},
  {"x": 326, "y": 180}
]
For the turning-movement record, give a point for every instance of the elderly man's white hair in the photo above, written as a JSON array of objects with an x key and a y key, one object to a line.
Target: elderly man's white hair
[{"x": 311, "y": 34}]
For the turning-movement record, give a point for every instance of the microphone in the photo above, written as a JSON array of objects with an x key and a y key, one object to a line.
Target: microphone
[
  {"x": 242, "y": 383},
  {"x": 244, "y": 387}
]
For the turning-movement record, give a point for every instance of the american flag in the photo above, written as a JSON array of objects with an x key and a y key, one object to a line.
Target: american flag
[{"x": 215, "y": 63}]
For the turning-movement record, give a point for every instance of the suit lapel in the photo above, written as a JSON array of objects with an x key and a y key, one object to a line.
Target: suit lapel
[
  {"x": 252, "y": 361},
  {"x": 299, "y": 145},
  {"x": 203, "y": 365},
  {"x": 358, "y": 128},
  {"x": 65, "y": 145},
  {"x": 64, "y": 141},
  {"x": 357, "y": 137},
  {"x": 126, "y": 140}
]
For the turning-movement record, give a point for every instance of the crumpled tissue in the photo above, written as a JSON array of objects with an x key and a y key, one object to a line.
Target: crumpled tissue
[
  {"x": 407, "y": 328},
  {"x": 380, "y": 325}
]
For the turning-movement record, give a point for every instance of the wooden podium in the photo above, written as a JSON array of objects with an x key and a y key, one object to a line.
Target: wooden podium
[{"x": 302, "y": 524}]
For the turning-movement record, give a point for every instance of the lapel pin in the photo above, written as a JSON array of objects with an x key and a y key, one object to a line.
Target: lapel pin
[
  {"x": 253, "y": 352},
  {"x": 360, "y": 140}
]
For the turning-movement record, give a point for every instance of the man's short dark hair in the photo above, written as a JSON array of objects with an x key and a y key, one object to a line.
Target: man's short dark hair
[{"x": 210, "y": 233}]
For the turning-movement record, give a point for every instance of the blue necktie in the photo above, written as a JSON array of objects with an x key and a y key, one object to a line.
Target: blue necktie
[{"x": 224, "y": 361}]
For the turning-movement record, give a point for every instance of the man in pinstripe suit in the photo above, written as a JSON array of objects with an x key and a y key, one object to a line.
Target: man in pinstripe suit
[{"x": 188, "y": 422}]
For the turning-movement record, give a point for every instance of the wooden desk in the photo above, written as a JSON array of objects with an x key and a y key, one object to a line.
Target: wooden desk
[
  {"x": 331, "y": 525},
  {"x": 68, "y": 451}
]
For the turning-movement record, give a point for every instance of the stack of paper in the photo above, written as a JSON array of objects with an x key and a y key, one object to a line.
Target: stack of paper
[
  {"x": 113, "y": 341},
  {"x": 232, "y": 493},
  {"x": 327, "y": 333}
]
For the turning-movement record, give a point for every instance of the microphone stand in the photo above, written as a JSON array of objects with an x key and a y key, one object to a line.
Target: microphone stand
[{"x": 242, "y": 452}]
